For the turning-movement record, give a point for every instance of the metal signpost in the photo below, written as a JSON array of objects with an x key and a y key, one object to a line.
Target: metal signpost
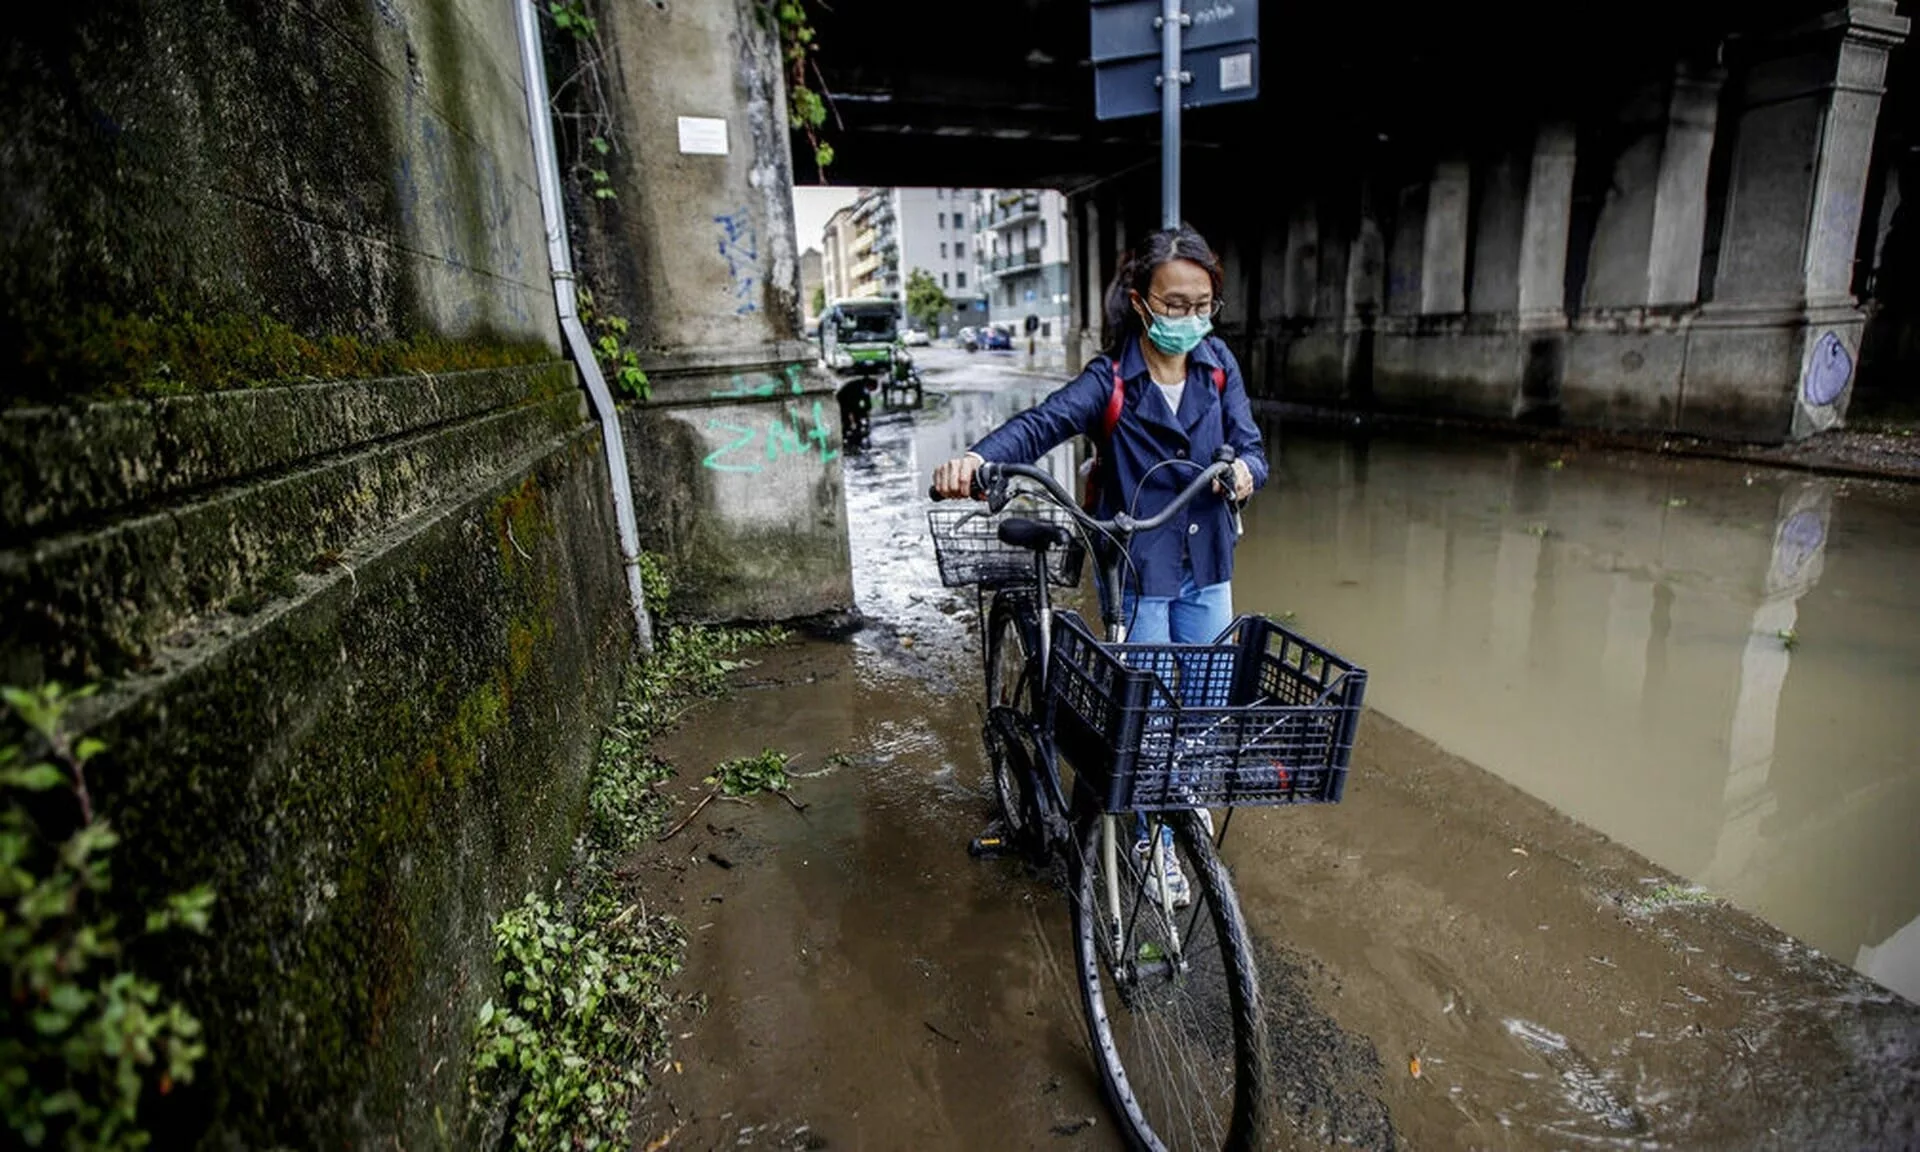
[{"x": 1137, "y": 48}]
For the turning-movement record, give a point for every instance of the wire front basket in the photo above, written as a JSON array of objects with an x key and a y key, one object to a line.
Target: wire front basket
[
  {"x": 966, "y": 540},
  {"x": 1263, "y": 717}
]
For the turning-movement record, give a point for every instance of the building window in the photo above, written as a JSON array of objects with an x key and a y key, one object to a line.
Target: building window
[
  {"x": 1043, "y": 234},
  {"x": 943, "y": 249},
  {"x": 943, "y": 280},
  {"x": 959, "y": 279},
  {"x": 943, "y": 219}
]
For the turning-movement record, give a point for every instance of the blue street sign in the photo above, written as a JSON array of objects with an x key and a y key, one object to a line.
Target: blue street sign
[
  {"x": 1123, "y": 28},
  {"x": 1221, "y": 75},
  {"x": 1219, "y": 50}
]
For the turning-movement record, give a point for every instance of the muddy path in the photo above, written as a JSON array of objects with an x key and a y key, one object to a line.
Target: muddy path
[{"x": 1449, "y": 962}]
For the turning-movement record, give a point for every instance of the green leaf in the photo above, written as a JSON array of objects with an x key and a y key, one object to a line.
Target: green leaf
[
  {"x": 600, "y": 145},
  {"x": 33, "y": 778},
  {"x": 88, "y": 748},
  {"x": 823, "y": 155}
]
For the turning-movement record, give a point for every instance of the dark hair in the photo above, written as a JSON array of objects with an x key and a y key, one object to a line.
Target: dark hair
[{"x": 1135, "y": 274}]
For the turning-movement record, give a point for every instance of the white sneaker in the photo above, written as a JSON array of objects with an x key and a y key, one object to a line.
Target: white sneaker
[{"x": 1163, "y": 865}]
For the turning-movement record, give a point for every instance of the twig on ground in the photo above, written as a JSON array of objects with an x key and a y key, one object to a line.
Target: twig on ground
[
  {"x": 688, "y": 818},
  {"x": 783, "y": 794}
]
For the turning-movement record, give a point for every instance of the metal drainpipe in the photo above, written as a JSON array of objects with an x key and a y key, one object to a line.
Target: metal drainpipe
[{"x": 533, "y": 72}]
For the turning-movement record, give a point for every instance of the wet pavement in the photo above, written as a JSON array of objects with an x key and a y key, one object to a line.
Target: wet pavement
[{"x": 1451, "y": 961}]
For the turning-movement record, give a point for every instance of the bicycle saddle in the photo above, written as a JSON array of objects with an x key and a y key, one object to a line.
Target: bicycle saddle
[{"x": 1034, "y": 534}]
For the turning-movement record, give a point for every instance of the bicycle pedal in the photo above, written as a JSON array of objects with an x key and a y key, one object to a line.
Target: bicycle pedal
[{"x": 989, "y": 847}]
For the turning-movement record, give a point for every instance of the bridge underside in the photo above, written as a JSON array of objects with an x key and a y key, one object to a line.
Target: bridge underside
[{"x": 1503, "y": 208}]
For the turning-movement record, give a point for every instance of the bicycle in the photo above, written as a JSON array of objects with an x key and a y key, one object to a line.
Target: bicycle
[{"x": 1153, "y": 733}]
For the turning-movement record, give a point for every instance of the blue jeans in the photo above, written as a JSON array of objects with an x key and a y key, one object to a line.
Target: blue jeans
[{"x": 1195, "y": 616}]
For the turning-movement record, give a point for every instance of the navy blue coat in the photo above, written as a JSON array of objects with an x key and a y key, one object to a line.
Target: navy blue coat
[{"x": 1144, "y": 437}]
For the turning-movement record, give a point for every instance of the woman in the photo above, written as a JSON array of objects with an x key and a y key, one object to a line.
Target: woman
[{"x": 1182, "y": 397}]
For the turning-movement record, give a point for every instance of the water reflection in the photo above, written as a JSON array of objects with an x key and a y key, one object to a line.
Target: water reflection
[{"x": 1713, "y": 666}]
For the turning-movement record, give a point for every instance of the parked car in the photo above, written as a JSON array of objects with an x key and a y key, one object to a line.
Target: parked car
[
  {"x": 915, "y": 336},
  {"x": 994, "y": 338},
  {"x": 965, "y": 338}
]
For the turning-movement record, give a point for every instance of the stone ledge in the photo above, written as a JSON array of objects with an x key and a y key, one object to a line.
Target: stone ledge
[
  {"x": 97, "y": 601},
  {"x": 59, "y": 465},
  {"x": 369, "y": 771}
]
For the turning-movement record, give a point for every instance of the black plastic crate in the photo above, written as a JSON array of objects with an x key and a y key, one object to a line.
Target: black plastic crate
[
  {"x": 966, "y": 541},
  {"x": 1263, "y": 717}
]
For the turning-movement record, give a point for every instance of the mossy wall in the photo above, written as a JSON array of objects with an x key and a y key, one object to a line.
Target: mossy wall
[
  {"x": 200, "y": 194},
  {"x": 290, "y": 464}
]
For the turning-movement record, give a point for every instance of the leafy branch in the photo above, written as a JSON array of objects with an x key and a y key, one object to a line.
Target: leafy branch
[
  {"x": 806, "y": 108},
  {"x": 83, "y": 1037},
  {"x": 586, "y": 111},
  {"x": 618, "y": 359}
]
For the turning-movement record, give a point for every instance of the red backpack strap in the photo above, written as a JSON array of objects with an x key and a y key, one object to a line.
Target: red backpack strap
[
  {"x": 1220, "y": 380},
  {"x": 1115, "y": 402}
]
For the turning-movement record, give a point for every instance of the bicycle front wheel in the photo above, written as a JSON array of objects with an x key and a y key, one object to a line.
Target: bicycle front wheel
[
  {"x": 1012, "y": 663},
  {"x": 1168, "y": 983}
]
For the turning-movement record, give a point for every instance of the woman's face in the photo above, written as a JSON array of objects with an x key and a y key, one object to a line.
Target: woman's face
[{"x": 1179, "y": 288}]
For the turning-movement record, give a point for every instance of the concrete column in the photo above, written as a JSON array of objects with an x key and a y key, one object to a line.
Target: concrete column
[
  {"x": 1300, "y": 286},
  {"x": 1498, "y": 228},
  {"x": 735, "y": 460},
  {"x": 1543, "y": 233},
  {"x": 1404, "y": 254},
  {"x": 1648, "y": 240},
  {"x": 1774, "y": 354},
  {"x": 1799, "y": 170},
  {"x": 1680, "y": 200},
  {"x": 1443, "y": 251}
]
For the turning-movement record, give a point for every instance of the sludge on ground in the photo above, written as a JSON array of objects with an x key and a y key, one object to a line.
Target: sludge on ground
[{"x": 1449, "y": 963}]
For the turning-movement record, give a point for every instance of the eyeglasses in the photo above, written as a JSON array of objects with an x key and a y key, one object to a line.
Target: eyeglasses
[{"x": 1180, "y": 309}]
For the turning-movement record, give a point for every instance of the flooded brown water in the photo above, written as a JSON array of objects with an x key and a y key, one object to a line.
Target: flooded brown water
[
  {"x": 1717, "y": 666},
  {"x": 1449, "y": 961}
]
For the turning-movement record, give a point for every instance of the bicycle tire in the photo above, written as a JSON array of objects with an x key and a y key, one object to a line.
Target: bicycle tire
[
  {"x": 1171, "y": 1078},
  {"x": 1010, "y": 665}
]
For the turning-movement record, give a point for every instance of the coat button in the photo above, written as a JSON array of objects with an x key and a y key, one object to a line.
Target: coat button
[
  {"x": 1193, "y": 529},
  {"x": 1181, "y": 453}
]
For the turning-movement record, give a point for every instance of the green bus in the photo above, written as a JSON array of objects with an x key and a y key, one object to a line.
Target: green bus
[{"x": 860, "y": 337}]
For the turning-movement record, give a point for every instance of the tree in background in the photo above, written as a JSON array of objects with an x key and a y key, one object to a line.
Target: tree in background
[
  {"x": 926, "y": 303},
  {"x": 819, "y": 299}
]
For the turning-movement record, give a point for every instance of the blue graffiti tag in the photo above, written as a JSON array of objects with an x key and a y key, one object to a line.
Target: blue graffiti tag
[{"x": 741, "y": 250}]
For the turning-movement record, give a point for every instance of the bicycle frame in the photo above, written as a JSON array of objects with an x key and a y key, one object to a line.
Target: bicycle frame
[{"x": 1054, "y": 811}]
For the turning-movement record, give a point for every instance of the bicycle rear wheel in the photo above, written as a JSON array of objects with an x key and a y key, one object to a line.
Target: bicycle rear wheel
[
  {"x": 1172, "y": 1001},
  {"x": 1012, "y": 664}
]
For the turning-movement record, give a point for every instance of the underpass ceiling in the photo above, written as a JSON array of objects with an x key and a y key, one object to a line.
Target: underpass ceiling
[{"x": 1000, "y": 92}]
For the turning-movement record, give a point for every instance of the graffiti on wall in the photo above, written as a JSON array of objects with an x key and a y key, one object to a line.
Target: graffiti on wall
[
  {"x": 741, "y": 250},
  {"x": 787, "y": 433}
]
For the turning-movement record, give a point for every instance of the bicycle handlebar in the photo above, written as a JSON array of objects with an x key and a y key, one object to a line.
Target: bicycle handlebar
[{"x": 990, "y": 483}]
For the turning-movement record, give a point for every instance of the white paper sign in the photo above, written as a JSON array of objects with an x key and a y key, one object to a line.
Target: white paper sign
[
  {"x": 1235, "y": 72},
  {"x": 703, "y": 136}
]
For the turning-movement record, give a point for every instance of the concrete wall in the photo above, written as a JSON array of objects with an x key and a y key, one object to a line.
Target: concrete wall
[
  {"x": 351, "y": 170},
  {"x": 736, "y": 457},
  {"x": 356, "y": 631}
]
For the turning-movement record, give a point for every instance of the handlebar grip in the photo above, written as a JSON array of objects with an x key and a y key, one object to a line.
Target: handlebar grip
[{"x": 978, "y": 488}]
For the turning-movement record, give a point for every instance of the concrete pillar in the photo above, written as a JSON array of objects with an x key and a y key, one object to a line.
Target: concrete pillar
[
  {"x": 1443, "y": 250},
  {"x": 1405, "y": 252},
  {"x": 1543, "y": 233},
  {"x": 736, "y": 458},
  {"x": 1498, "y": 226},
  {"x": 1647, "y": 242},
  {"x": 1300, "y": 286},
  {"x": 1783, "y": 334},
  {"x": 1799, "y": 170},
  {"x": 1330, "y": 290},
  {"x": 1680, "y": 201}
]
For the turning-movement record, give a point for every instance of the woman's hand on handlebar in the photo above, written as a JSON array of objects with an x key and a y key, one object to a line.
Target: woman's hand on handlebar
[
  {"x": 954, "y": 479},
  {"x": 1242, "y": 477}
]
